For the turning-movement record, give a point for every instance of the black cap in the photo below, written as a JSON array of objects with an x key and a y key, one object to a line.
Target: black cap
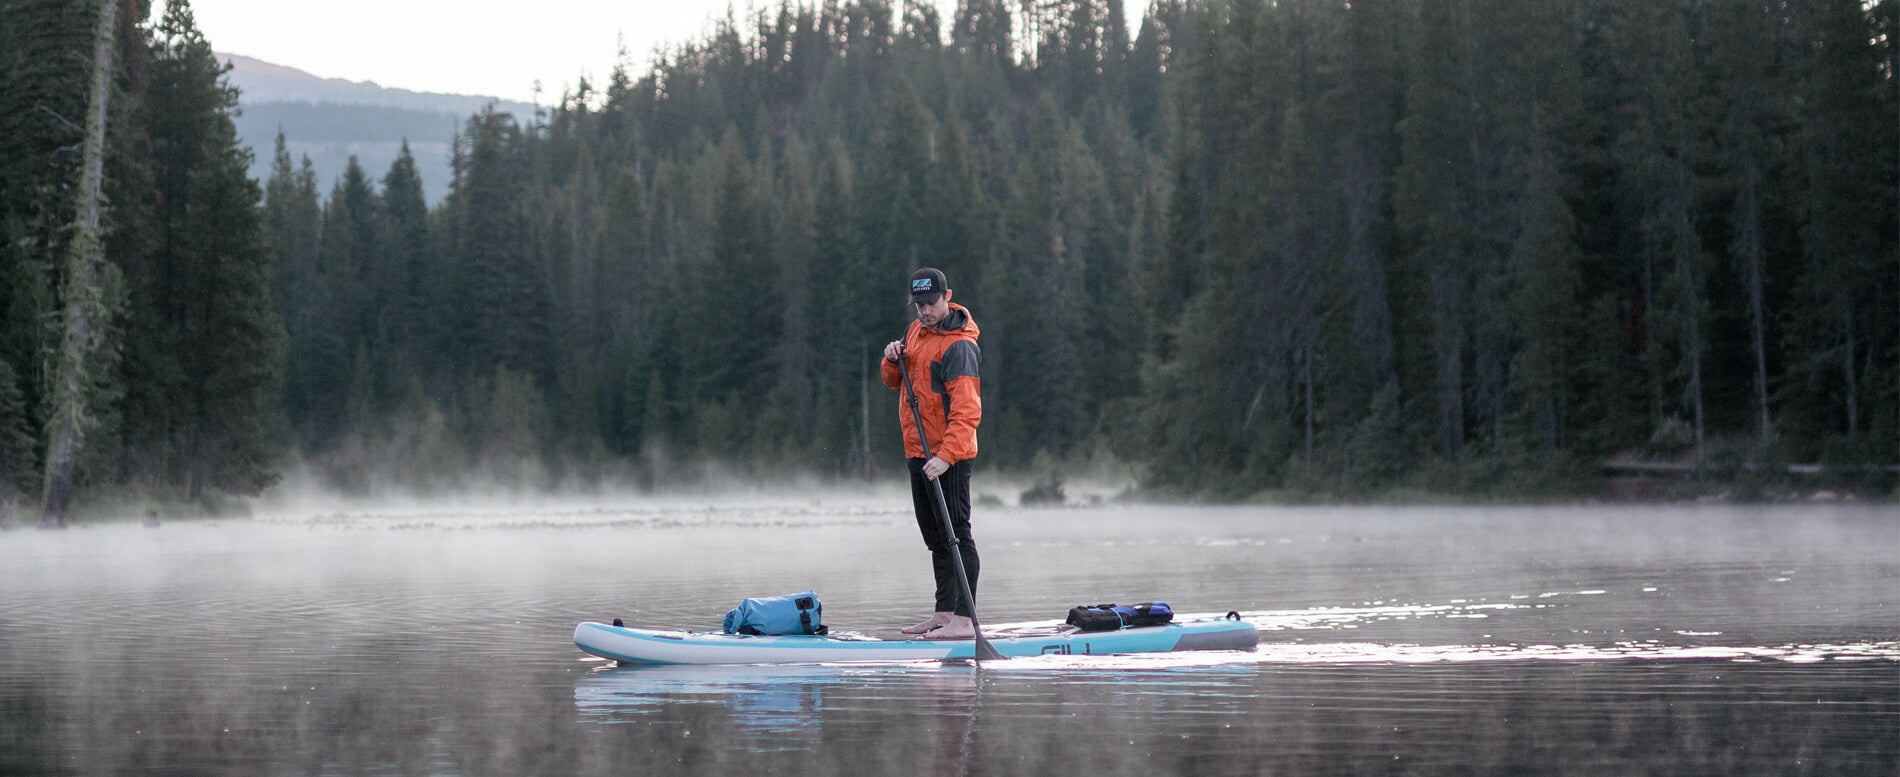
[{"x": 927, "y": 285}]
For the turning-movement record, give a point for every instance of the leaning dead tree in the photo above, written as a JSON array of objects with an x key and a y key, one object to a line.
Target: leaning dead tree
[{"x": 82, "y": 296}]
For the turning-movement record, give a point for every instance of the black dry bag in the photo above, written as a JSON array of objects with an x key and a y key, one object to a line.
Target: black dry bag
[{"x": 1108, "y": 617}]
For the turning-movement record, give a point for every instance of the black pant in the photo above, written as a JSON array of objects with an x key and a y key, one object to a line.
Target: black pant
[{"x": 956, "y": 496}]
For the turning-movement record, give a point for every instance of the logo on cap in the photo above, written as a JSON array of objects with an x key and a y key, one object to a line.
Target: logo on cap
[{"x": 920, "y": 286}]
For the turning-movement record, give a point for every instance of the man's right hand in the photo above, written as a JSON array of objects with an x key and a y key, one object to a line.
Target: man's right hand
[{"x": 894, "y": 351}]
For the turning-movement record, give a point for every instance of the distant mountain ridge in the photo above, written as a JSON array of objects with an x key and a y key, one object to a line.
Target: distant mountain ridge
[
  {"x": 330, "y": 120},
  {"x": 263, "y": 82}
]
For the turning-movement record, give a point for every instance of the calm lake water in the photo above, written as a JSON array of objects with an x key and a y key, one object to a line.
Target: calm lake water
[{"x": 435, "y": 641}]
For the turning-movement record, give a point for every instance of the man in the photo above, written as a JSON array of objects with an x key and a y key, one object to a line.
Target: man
[{"x": 941, "y": 353}]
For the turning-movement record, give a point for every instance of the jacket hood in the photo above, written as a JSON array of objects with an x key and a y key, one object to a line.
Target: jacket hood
[{"x": 958, "y": 322}]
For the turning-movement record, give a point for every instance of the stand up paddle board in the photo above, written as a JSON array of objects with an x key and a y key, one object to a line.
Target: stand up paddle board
[{"x": 645, "y": 646}]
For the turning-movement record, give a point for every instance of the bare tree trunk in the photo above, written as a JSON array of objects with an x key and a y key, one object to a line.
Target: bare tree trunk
[
  {"x": 1372, "y": 312},
  {"x": 1695, "y": 396},
  {"x": 1687, "y": 247},
  {"x": 1652, "y": 346},
  {"x": 195, "y": 462},
  {"x": 864, "y": 411},
  {"x": 1692, "y": 335},
  {"x": 1687, "y": 253},
  {"x": 1308, "y": 377},
  {"x": 1748, "y": 245},
  {"x": 1448, "y": 336},
  {"x": 1847, "y": 368},
  {"x": 83, "y": 305}
]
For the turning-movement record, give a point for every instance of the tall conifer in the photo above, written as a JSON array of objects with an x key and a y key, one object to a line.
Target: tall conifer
[{"x": 214, "y": 336}]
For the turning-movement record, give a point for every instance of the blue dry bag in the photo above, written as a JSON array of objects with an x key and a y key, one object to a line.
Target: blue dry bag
[{"x": 798, "y": 613}]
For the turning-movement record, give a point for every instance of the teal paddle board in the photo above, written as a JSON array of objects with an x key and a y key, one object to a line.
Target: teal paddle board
[{"x": 645, "y": 646}]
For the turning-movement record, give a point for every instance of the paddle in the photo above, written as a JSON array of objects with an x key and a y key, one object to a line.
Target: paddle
[{"x": 984, "y": 652}]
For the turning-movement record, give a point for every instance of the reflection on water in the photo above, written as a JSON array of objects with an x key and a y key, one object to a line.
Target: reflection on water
[
  {"x": 1148, "y": 715},
  {"x": 1416, "y": 641},
  {"x": 772, "y": 707}
]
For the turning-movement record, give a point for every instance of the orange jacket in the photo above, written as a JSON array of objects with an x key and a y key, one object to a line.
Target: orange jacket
[{"x": 943, "y": 371}]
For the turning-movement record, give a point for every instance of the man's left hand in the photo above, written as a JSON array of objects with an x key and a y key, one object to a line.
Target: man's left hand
[{"x": 934, "y": 467}]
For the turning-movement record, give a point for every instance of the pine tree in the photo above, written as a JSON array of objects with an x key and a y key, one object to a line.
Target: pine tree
[
  {"x": 983, "y": 56},
  {"x": 845, "y": 337},
  {"x": 795, "y": 245},
  {"x": 1842, "y": 131},
  {"x": 1744, "y": 89},
  {"x": 576, "y": 309},
  {"x": 1179, "y": 272},
  {"x": 1369, "y": 92},
  {"x": 295, "y": 215},
  {"x": 1298, "y": 251},
  {"x": 957, "y": 222},
  {"x": 893, "y": 193},
  {"x": 356, "y": 271},
  {"x": 505, "y": 296},
  {"x": 211, "y": 332},
  {"x": 399, "y": 289},
  {"x": 328, "y": 335},
  {"x": 627, "y": 292},
  {"x": 1435, "y": 206},
  {"x": 1147, "y": 64},
  {"x": 1103, "y": 172},
  {"x": 1536, "y": 288},
  {"x": 1033, "y": 349},
  {"x": 1660, "y": 148},
  {"x": 734, "y": 335},
  {"x": 1544, "y": 261}
]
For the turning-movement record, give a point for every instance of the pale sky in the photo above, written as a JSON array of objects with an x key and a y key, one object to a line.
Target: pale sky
[{"x": 482, "y": 47}]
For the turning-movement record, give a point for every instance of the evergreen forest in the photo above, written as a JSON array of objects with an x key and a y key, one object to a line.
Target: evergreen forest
[{"x": 1310, "y": 248}]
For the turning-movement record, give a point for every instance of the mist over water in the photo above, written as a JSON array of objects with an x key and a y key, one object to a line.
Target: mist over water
[{"x": 433, "y": 638}]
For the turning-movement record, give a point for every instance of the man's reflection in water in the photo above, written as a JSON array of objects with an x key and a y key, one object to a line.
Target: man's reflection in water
[{"x": 959, "y": 696}]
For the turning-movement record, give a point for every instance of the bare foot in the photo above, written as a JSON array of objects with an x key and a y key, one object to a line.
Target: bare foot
[
  {"x": 959, "y": 627},
  {"x": 935, "y": 621}
]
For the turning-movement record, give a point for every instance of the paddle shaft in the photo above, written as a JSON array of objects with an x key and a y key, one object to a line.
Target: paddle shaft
[{"x": 983, "y": 649}]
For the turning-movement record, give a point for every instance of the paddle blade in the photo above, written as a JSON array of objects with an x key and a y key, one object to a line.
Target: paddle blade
[{"x": 985, "y": 652}]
